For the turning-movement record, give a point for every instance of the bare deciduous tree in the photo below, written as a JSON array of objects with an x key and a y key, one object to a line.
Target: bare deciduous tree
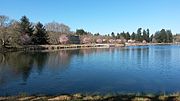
[
  {"x": 4, "y": 37},
  {"x": 54, "y": 37},
  {"x": 8, "y": 32},
  {"x": 57, "y": 27},
  {"x": 3, "y": 20}
]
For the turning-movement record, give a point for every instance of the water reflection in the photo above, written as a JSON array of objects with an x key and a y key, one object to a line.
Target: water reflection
[
  {"x": 20, "y": 64},
  {"x": 116, "y": 69},
  {"x": 135, "y": 55}
]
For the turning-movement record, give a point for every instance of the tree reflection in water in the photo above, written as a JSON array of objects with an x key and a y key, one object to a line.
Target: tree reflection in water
[
  {"x": 18, "y": 65},
  {"x": 135, "y": 68}
]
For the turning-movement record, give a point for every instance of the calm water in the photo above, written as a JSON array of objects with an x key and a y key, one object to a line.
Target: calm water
[{"x": 130, "y": 69}]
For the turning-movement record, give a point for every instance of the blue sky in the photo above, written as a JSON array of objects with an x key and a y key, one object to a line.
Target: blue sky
[{"x": 103, "y": 16}]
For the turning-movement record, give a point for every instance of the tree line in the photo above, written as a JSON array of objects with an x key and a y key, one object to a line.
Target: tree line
[
  {"x": 139, "y": 36},
  {"x": 23, "y": 32},
  {"x": 163, "y": 36}
]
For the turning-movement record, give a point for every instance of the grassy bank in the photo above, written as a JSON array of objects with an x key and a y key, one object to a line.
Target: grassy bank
[
  {"x": 58, "y": 47},
  {"x": 73, "y": 46},
  {"x": 108, "y": 97},
  {"x": 144, "y": 44}
]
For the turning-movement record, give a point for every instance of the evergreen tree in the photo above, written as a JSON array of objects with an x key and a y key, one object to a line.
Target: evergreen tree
[
  {"x": 123, "y": 34},
  {"x": 151, "y": 38},
  {"x": 118, "y": 36},
  {"x": 128, "y": 36},
  {"x": 144, "y": 37},
  {"x": 97, "y": 34},
  {"x": 26, "y": 27},
  {"x": 81, "y": 32},
  {"x": 40, "y": 36},
  {"x": 133, "y": 36},
  {"x": 148, "y": 34},
  {"x": 169, "y": 36},
  {"x": 138, "y": 36},
  {"x": 113, "y": 35},
  {"x": 163, "y": 36},
  {"x": 157, "y": 36}
]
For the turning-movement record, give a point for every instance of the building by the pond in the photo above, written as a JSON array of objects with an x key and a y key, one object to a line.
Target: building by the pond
[{"x": 69, "y": 39}]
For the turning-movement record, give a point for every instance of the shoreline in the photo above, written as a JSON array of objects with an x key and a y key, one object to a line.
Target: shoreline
[
  {"x": 48, "y": 48},
  {"x": 95, "y": 97},
  {"x": 145, "y": 44},
  {"x": 59, "y": 47}
]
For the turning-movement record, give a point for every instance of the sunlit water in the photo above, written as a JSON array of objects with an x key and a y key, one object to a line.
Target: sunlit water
[{"x": 146, "y": 69}]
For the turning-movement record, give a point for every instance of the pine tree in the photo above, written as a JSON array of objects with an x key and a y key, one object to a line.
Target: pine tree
[
  {"x": 169, "y": 36},
  {"x": 118, "y": 36},
  {"x": 81, "y": 32},
  {"x": 26, "y": 27},
  {"x": 163, "y": 36},
  {"x": 157, "y": 36},
  {"x": 151, "y": 38},
  {"x": 133, "y": 36},
  {"x": 128, "y": 36},
  {"x": 40, "y": 36},
  {"x": 148, "y": 35},
  {"x": 123, "y": 34},
  {"x": 138, "y": 36},
  {"x": 145, "y": 35},
  {"x": 113, "y": 35}
]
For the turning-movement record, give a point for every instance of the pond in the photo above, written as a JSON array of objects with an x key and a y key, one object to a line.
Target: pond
[{"x": 148, "y": 69}]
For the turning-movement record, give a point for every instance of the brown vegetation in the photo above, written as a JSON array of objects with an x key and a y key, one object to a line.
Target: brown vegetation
[{"x": 80, "y": 97}]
